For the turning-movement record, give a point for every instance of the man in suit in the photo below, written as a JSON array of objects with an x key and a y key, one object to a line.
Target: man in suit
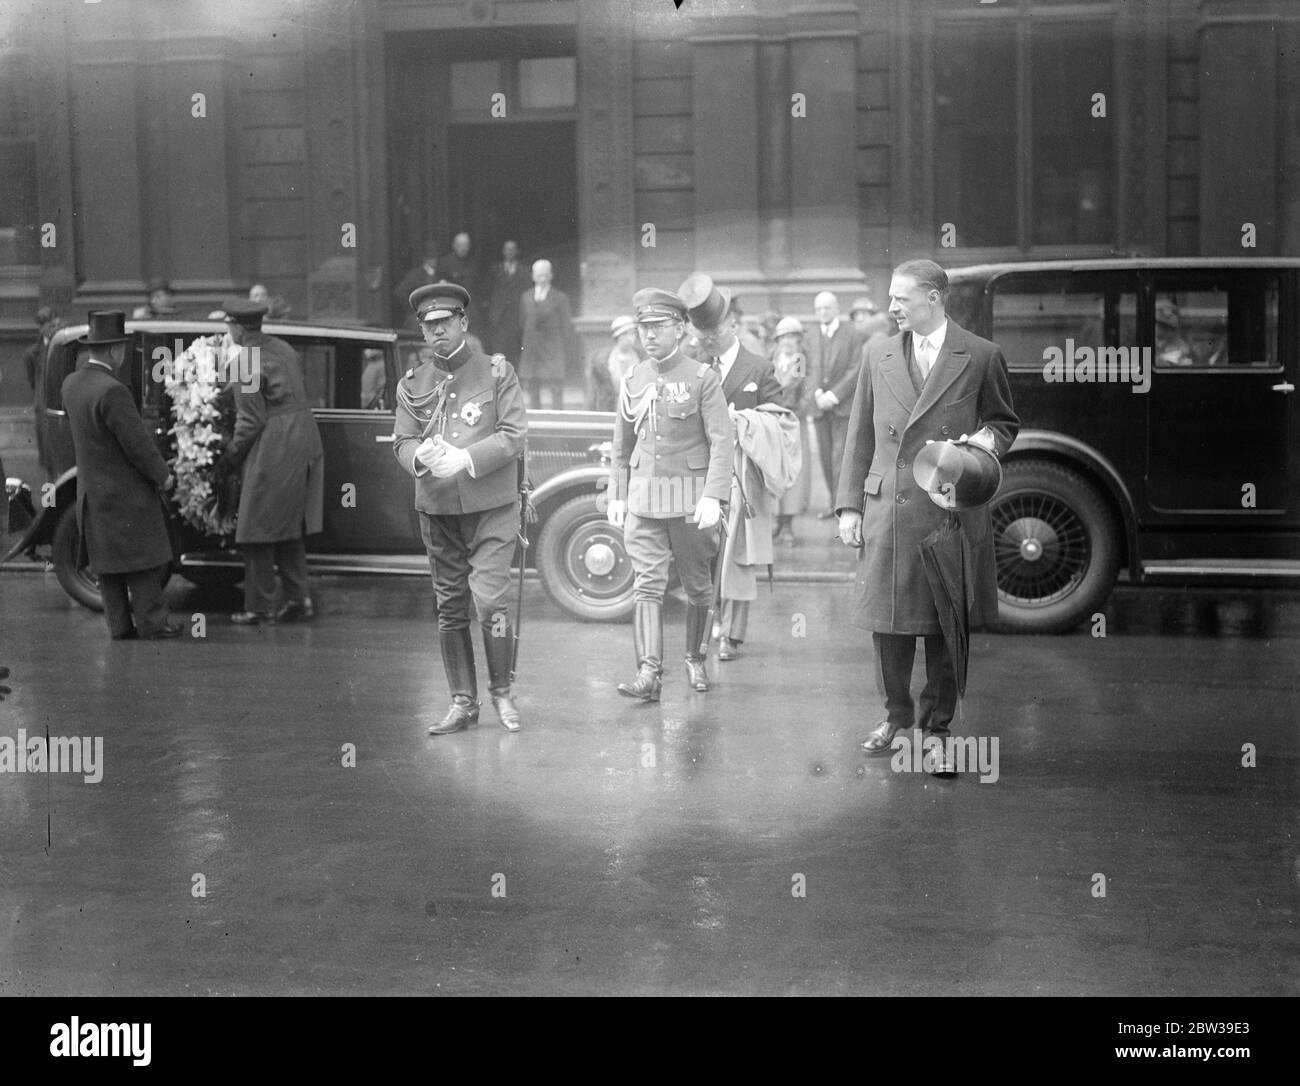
[
  {"x": 506, "y": 282},
  {"x": 669, "y": 475},
  {"x": 121, "y": 477},
  {"x": 460, "y": 430},
  {"x": 747, "y": 381},
  {"x": 934, "y": 381},
  {"x": 834, "y": 360},
  {"x": 549, "y": 338},
  {"x": 422, "y": 274},
  {"x": 277, "y": 447}
]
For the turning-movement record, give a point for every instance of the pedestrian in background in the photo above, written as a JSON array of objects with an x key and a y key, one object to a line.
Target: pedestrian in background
[
  {"x": 121, "y": 480},
  {"x": 834, "y": 359},
  {"x": 791, "y": 368},
  {"x": 549, "y": 338},
  {"x": 277, "y": 449},
  {"x": 607, "y": 368},
  {"x": 422, "y": 274},
  {"x": 505, "y": 283}
]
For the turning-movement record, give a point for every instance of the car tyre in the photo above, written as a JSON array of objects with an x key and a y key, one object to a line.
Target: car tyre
[
  {"x": 75, "y": 579},
  {"x": 583, "y": 564},
  {"x": 1056, "y": 548}
]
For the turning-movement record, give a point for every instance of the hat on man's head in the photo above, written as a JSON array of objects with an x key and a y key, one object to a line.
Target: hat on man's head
[
  {"x": 653, "y": 306},
  {"x": 437, "y": 301},
  {"x": 621, "y": 325},
  {"x": 158, "y": 283},
  {"x": 1167, "y": 313},
  {"x": 864, "y": 305},
  {"x": 44, "y": 315},
  {"x": 106, "y": 326},
  {"x": 243, "y": 311},
  {"x": 788, "y": 326},
  {"x": 706, "y": 304}
]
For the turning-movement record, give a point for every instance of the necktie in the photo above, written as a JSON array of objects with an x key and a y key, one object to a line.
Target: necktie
[{"x": 923, "y": 357}]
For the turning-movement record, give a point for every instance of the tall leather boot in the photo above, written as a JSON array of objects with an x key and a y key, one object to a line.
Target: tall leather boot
[
  {"x": 735, "y": 618},
  {"x": 458, "y": 661},
  {"x": 648, "y": 636},
  {"x": 498, "y": 650},
  {"x": 697, "y": 623}
]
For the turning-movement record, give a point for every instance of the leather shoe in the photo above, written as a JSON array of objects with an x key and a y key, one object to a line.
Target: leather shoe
[
  {"x": 162, "y": 633},
  {"x": 881, "y": 740},
  {"x": 461, "y": 714},
  {"x": 296, "y": 611},
  {"x": 251, "y": 618},
  {"x": 645, "y": 687},
  {"x": 697, "y": 675},
  {"x": 938, "y": 760},
  {"x": 728, "y": 649},
  {"x": 507, "y": 712},
  {"x": 131, "y": 635}
]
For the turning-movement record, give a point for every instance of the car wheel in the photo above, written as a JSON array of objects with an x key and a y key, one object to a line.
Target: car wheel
[
  {"x": 1056, "y": 546},
  {"x": 76, "y": 580},
  {"x": 582, "y": 562}
]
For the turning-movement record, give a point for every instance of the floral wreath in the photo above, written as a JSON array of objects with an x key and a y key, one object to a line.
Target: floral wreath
[{"x": 202, "y": 410}]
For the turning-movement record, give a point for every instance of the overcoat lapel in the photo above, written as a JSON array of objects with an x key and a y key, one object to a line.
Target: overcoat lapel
[
  {"x": 893, "y": 365},
  {"x": 953, "y": 358}
]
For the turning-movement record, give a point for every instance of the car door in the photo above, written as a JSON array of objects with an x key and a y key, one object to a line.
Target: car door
[
  {"x": 368, "y": 497},
  {"x": 1221, "y": 410}
]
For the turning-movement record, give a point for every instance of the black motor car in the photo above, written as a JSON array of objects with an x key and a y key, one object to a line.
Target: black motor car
[
  {"x": 1159, "y": 423},
  {"x": 579, "y": 557}
]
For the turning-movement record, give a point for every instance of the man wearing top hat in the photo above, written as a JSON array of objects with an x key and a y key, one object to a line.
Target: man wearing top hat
[
  {"x": 670, "y": 474},
  {"x": 934, "y": 381},
  {"x": 747, "y": 381},
  {"x": 277, "y": 448},
  {"x": 120, "y": 479},
  {"x": 460, "y": 431}
]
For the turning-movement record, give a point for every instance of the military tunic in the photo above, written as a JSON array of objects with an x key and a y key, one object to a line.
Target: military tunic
[{"x": 672, "y": 446}]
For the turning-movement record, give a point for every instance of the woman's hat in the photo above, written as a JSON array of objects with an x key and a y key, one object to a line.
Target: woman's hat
[
  {"x": 106, "y": 326},
  {"x": 621, "y": 325},
  {"x": 787, "y": 326}
]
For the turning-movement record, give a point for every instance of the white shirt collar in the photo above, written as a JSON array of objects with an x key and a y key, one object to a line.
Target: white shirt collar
[
  {"x": 936, "y": 339},
  {"x": 832, "y": 328},
  {"x": 539, "y": 294},
  {"x": 727, "y": 359}
]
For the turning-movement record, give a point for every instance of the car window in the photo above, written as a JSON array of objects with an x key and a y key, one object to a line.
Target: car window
[
  {"x": 1202, "y": 325},
  {"x": 1032, "y": 313},
  {"x": 343, "y": 373}
]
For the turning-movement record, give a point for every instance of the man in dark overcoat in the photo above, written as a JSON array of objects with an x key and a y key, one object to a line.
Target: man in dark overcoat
[
  {"x": 934, "y": 381},
  {"x": 120, "y": 479},
  {"x": 834, "y": 352},
  {"x": 549, "y": 337},
  {"x": 670, "y": 472},
  {"x": 277, "y": 447},
  {"x": 506, "y": 282},
  {"x": 460, "y": 430}
]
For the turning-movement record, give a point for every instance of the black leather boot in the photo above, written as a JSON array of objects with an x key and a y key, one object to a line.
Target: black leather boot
[
  {"x": 498, "y": 650},
  {"x": 648, "y": 636},
  {"x": 697, "y": 623},
  {"x": 458, "y": 661}
]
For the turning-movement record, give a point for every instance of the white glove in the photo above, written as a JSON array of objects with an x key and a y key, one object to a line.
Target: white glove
[
  {"x": 824, "y": 400},
  {"x": 851, "y": 528},
  {"x": 708, "y": 511},
  {"x": 984, "y": 439},
  {"x": 615, "y": 512},
  {"x": 442, "y": 460}
]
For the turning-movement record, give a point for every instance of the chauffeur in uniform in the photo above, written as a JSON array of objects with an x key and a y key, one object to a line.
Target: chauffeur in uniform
[
  {"x": 460, "y": 432},
  {"x": 670, "y": 474},
  {"x": 933, "y": 381}
]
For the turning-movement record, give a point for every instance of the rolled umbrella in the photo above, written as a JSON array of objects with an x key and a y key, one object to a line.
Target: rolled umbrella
[{"x": 946, "y": 557}]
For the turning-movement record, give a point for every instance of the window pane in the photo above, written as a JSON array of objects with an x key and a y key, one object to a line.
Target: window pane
[
  {"x": 1072, "y": 152},
  {"x": 548, "y": 83},
  {"x": 975, "y": 132},
  {"x": 1034, "y": 313},
  {"x": 1217, "y": 325},
  {"x": 473, "y": 82}
]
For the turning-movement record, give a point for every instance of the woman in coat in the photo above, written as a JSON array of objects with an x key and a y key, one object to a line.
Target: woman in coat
[
  {"x": 791, "y": 367},
  {"x": 278, "y": 446}
]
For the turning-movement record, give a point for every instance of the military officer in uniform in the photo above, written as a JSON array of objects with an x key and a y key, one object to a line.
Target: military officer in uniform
[
  {"x": 460, "y": 432},
  {"x": 670, "y": 474}
]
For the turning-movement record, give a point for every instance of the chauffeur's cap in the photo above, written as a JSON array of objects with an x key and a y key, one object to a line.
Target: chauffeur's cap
[
  {"x": 437, "y": 301},
  {"x": 244, "y": 311},
  {"x": 957, "y": 476},
  {"x": 654, "y": 306}
]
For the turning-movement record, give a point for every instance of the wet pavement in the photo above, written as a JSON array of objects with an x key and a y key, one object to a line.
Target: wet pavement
[{"x": 729, "y": 842}]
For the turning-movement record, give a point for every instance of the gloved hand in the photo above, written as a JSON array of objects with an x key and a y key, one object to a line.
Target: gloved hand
[
  {"x": 616, "y": 512},
  {"x": 443, "y": 460},
  {"x": 708, "y": 511},
  {"x": 851, "y": 528},
  {"x": 983, "y": 438},
  {"x": 825, "y": 400}
]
